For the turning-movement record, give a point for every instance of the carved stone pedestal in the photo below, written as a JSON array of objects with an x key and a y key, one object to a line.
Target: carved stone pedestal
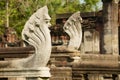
[{"x": 41, "y": 73}]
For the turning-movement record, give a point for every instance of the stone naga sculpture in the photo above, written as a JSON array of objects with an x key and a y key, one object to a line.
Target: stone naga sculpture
[
  {"x": 37, "y": 34},
  {"x": 73, "y": 28}
]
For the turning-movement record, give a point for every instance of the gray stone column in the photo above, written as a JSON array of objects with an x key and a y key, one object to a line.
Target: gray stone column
[{"x": 110, "y": 22}]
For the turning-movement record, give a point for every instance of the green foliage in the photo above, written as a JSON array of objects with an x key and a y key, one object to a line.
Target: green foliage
[
  {"x": 20, "y": 10},
  {"x": 89, "y": 5},
  {"x": 2, "y": 16}
]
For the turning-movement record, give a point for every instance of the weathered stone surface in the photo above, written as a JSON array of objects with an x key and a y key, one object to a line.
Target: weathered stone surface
[
  {"x": 73, "y": 28},
  {"x": 91, "y": 41},
  {"x": 98, "y": 61},
  {"x": 26, "y": 72},
  {"x": 16, "y": 52},
  {"x": 61, "y": 73},
  {"x": 110, "y": 19},
  {"x": 37, "y": 34}
]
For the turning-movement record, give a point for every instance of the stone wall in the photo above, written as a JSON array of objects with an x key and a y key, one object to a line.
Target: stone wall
[{"x": 61, "y": 73}]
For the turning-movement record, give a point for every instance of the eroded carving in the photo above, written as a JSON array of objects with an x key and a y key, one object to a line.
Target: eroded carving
[
  {"x": 73, "y": 28},
  {"x": 37, "y": 34}
]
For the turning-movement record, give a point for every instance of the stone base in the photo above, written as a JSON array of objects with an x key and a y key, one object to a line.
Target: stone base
[
  {"x": 41, "y": 73},
  {"x": 61, "y": 73}
]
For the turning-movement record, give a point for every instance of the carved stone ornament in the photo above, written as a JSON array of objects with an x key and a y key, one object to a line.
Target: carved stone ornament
[
  {"x": 36, "y": 34},
  {"x": 73, "y": 28}
]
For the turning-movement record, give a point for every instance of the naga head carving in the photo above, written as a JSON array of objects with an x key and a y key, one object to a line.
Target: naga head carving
[
  {"x": 73, "y": 28},
  {"x": 36, "y": 29},
  {"x": 37, "y": 34}
]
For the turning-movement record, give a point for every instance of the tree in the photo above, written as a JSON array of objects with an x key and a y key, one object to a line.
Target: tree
[
  {"x": 19, "y": 11},
  {"x": 90, "y": 5},
  {"x": 2, "y": 16}
]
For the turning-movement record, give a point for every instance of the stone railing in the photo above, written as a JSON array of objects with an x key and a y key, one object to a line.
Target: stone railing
[
  {"x": 95, "y": 74},
  {"x": 88, "y": 67}
]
